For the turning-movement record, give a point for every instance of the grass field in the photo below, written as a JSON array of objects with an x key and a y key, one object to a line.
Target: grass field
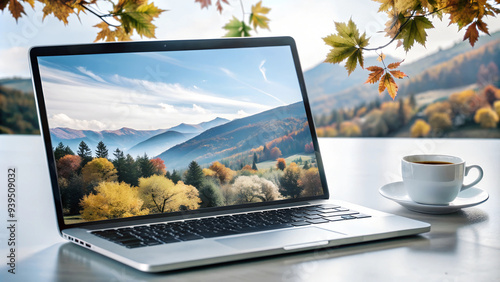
[
  {"x": 269, "y": 164},
  {"x": 72, "y": 219}
]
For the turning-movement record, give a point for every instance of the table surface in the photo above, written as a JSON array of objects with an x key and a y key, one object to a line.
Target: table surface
[{"x": 463, "y": 246}]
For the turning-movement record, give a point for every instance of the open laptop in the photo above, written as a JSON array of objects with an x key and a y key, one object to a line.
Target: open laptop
[{"x": 172, "y": 154}]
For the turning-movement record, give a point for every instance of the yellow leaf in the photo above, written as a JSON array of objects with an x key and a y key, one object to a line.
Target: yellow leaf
[
  {"x": 381, "y": 57},
  {"x": 387, "y": 82},
  {"x": 257, "y": 18},
  {"x": 398, "y": 74},
  {"x": 374, "y": 76},
  {"x": 105, "y": 34}
]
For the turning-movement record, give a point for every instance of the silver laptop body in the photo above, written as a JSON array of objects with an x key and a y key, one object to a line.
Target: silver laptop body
[{"x": 147, "y": 134}]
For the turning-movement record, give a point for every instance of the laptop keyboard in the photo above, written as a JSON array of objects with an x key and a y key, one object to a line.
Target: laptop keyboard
[{"x": 209, "y": 227}]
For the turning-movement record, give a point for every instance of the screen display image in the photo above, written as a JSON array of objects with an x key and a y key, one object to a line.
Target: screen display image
[{"x": 158, "y": 132}]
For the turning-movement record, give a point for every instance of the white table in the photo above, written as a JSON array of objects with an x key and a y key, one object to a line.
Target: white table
[{"x": 463, "y": 246}]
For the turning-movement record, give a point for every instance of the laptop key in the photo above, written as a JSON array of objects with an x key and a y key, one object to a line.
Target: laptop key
[
  {"x": 318, "y": 220},
  {"x": 263, "y": 228},
  {"x": 301, "y": 223},
  {"x": 189, "y": 237}
]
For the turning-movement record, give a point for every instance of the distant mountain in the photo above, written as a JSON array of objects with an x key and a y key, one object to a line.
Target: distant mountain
[
  {"x": 425, "y": 74},
  {"x": 236, "y": 136},
  {"x": 135, "y": 142},
  {"x": 159, "y": 143},
  {"x": 198, "y": 128},
  {"x": 123, "y": 138},
  {"x": 21, "y": 84}
]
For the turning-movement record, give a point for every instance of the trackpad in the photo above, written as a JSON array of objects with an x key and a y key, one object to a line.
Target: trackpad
[{"x": 287, "y": 239}]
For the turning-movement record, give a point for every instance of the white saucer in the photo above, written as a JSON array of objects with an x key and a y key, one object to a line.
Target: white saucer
[{"x": 396, "y": 191}]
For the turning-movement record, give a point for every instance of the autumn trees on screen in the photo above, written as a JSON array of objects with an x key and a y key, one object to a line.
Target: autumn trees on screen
[{"x": 97, "y": 187}]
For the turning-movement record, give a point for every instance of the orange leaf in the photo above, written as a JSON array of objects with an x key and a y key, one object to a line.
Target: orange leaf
[
  {"x": 376, "y": 73},
  {"x": 398, "y": 74},
  {"x": 394, "y": 65},
  {"x": 381, "y": 57},
  {"x": 387, "y": 82},
  {"x": 472, "y": 34}
]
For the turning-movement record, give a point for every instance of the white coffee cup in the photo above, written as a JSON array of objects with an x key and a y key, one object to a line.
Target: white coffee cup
[{"x": 435, "y": 179}]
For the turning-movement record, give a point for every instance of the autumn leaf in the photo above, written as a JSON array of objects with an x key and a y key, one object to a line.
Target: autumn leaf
[
  {"x": 414, "y": 30},
  {"x": 398, "y": 74},
  {"x": 375, "y": 75},
  {"x": 482, "y": 26},
  {"x": 257, "y": 18},
  {"x": 347, "y": 44},
  {"x": 394, "y": 65},
  {"x": 387, "y": 82},
  {"x": 381, "y": 57},
  {"x": 105, "y": 34},
  {"x": 237, "y": 28},
  {"x": 15, "y": 8},
  {"x": 472, "y": 34},
  {"x": 206, "y": 3}
]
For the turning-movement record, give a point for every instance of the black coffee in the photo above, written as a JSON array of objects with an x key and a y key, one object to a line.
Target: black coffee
[{"x": 434, "y": 163}]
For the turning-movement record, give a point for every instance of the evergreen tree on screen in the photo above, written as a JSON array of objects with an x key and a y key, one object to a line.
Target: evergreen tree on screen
[
  {"x": 255, "y": 160},
  {"x": 84, "y": 152},
  {"x": 175, "y": 177},
  {"x": 146, "y": 168},
  {"x": 129, "y": 172},
  {"x": 61, "y": 151},
  {"x": 101, "y": 150},
  {"x": 120, "y": 164},
  {"x": 194, "y": 175}
]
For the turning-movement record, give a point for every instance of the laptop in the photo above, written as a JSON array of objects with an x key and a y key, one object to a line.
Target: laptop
[{"x": 173, "y": 154}]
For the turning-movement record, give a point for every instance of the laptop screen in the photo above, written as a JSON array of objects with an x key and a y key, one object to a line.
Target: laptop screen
[{"x": 142, "y": 133}]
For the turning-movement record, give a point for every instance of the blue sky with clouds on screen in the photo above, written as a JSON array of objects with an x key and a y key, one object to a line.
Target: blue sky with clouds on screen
[{"x": 111, "y": 91}]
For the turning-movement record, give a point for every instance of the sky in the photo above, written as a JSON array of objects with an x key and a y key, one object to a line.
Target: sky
[
  {"x": 160, "y": 90},
  {"x": 307, "y": 21}
]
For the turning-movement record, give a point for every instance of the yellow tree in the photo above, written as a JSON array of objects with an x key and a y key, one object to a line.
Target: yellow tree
[
  {"x": 420, "y": 128},
  {"x": 310, "y": 183},
  {"x": 349, "y": 129},
  {"x": 112, "y": 200},
  {"x": 160, "y": 194},
  {"x": 223, "y": 173},
  {"x": 486, "y": 117},
  {"x": 440, "y": 122},
  {"x": 98, "y": 170}
]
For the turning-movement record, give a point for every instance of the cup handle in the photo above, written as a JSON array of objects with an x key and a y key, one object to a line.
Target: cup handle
[{"x": 477, "y": 179}]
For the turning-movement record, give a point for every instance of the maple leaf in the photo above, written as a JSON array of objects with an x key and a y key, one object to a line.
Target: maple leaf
[
  {"x": 206, "y": 3},
  {"x": 257, "y": 18},
  {"x": 472, "y": 34},
  {"x": 347, "y": 44},
  {"x": 105, "y": 34},
  {"x": 15, "y": 8},
  {"x": 236, "y": 28},
  {"x": 482, "y": 26},
  {"x": 414, "y": 30},
  {"x": 219, "y": 5},
  {"x": 387, "y": 82},
  {"x": 375, "y": 75}
]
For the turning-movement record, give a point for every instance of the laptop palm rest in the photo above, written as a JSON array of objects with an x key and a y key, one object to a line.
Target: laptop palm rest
[{"x": 288, "y": 239}]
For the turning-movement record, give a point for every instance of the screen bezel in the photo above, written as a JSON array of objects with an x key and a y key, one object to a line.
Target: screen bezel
[{"x": 155, "y": 46}]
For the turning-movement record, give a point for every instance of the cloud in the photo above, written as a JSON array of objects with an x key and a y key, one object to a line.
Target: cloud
[
  {"x": 168, "y": 108},
  {"x": 263, "y": 69},
  {"x": 90, "y": 74},
  {"x": 62, "y": 120},
  {"x": 199, "y": 109}
]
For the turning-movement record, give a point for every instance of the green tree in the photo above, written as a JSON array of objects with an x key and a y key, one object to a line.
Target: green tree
[
  {"x": 84, "y": 152},
  {"x": 254, "y": 162},
  {"x": 130, "y": 172},
  {"x": 101, "y": 150},
  {"x": 175, "y": 177},
  {"x": 120, "y": 164},
  {"x": 145, "y": 167},
  {"x": 62, "y": 151},
  {"x": 72, "y": 192},
  {"x": 211, "y": 194},
  {"x": 194, "y": 175}
]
